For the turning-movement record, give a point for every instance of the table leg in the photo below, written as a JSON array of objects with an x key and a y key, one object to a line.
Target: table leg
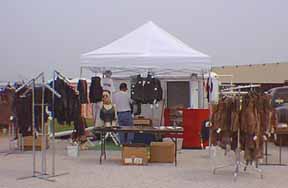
[
  {"x": 176, "y": 151},
  {"x": 266, "y": 153},
  {"x": 280, "y": 148},
  {"x": 104, "y": 140},
  {"x": 101, "y": 140}
]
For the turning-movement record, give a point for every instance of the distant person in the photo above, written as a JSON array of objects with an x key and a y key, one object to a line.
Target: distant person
[{"x": 122, "y": 101}]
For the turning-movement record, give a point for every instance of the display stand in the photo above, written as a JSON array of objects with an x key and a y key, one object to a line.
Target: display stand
[
  {"x": 64, "y": 78},
  {"x": 238, "y": 164},
  {"x": 43, "y": 175},
  {"x": 55, "y": 75},
  {"x": 113, "y": 137}
]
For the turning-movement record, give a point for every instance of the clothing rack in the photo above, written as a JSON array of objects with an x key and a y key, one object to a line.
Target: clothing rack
[
  {"x": 242, "y": 87},
  {"x": 65, "y": 79},
  {"x": 233, "y": 92},
  {"x": 237, "y": 163},
  {"x": 58, "y": 74},
  {"x": 43, "y": 175}
]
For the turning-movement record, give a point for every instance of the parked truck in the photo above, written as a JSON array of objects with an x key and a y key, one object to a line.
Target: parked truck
[{"x": 280, "y": 103}]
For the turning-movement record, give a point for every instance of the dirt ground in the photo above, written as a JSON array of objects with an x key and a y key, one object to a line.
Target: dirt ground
[{"x": 194, "y": 170}]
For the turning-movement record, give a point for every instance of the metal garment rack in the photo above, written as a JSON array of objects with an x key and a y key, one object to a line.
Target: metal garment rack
[
  {"x": 43, "y": 175},
  {"x": 238, "y": 164},
  {"x": 64, "y": 78}
]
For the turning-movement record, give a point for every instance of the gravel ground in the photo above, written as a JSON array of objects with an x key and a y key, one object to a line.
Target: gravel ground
[{"x": 194, "y": 170}]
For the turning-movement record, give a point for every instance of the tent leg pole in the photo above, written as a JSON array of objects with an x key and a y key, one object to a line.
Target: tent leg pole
[
  {"x": 81, "y": 72},
  {"x": 33, "y": 129},
  {"x": 53, "y": 126}
]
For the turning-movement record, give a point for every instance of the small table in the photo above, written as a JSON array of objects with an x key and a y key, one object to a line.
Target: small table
[{"x": 134, "y": 129}]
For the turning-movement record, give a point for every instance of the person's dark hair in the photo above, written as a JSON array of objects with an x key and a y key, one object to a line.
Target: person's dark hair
[{"x": 123, "y": 86}]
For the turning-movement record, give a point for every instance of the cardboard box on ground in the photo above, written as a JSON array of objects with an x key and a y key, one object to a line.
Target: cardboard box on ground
[
  {"x": 163, "y": 152},
  {"x": 139, "y": 154},
  {"x": 135, "y": 154},
  {"x": 28, "y": 142}
]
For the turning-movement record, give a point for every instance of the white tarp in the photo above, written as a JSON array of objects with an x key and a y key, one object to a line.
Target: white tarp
[{"x": 146, "y": 48}]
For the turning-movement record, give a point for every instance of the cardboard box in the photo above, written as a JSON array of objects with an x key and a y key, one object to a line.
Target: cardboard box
[
  {"x": 135, "y": 154},
  {"x": 142, "y": 122},
  {"x": 179, "y": 142},
  {"x": 162, "y": 152},
  {"x": 28, "y": 142}
]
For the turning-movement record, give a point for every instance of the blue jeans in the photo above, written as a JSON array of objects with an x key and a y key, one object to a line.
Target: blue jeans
[{"x": 125, "y": 119}]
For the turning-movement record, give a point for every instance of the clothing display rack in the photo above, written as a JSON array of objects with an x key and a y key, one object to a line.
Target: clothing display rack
[
  {"x": 55, "y": 75},
  {"x": 237, "y": 163},
  {"x": 65, "y": 79},
  {"x": 43, "y": 175}
]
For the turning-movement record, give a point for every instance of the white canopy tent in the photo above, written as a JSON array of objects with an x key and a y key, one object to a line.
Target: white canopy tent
[
  {"x": 148, "y": 48},
  {"x": 151, "y": 49}
]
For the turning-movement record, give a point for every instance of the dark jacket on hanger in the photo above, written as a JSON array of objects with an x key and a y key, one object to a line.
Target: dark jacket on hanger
[
  {"x": 6, "y": 105},
  {"x": 95, "y": 91},
  {"x": 152, "y": 90},
  {"x": 23, "y": 110},
  {"x": 67, "y": 108},
  {"x": 82, "y": 89},
  {"x": 146, "y": 90},
  {"x": 137, "y": 90}
]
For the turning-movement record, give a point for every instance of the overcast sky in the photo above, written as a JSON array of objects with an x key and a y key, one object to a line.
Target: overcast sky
[{"x": 44, "y": 35}]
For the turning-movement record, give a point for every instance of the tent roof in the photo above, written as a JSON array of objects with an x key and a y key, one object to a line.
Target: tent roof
[{"x": 148, "y": 46}]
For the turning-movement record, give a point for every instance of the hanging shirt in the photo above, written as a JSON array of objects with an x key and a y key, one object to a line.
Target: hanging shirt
[{"x": 107, "y": 84}]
